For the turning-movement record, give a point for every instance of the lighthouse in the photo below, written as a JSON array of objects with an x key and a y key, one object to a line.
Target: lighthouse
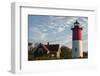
[{"x": 77, "y": 50}]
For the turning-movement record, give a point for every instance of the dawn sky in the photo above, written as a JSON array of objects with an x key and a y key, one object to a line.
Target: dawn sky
[{"x": 55, "y": 29}]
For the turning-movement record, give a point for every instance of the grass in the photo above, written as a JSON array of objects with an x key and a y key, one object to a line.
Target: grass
[{"x": 47, "y": 57}]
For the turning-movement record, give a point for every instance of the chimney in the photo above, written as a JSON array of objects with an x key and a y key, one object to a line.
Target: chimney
[{"x": 47, "y": 43}]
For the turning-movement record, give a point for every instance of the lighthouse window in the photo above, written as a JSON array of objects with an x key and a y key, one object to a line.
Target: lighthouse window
[{"x": 75, "y": 49}]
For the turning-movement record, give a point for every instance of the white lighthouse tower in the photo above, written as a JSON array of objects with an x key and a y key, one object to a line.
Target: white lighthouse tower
[{"x": 77, "y": 50}]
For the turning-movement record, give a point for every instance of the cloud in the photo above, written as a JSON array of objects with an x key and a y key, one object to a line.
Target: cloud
[
  {"x": 44, "y": 30},
  {"x": 71, "y": 20},
  {"x": 37, "y": 34},
  {"x": 51, "y": 26},
  {"x": 43, "y": 36},
  {"x": 60, "y": 29},
  {"x": 56, "y": 29}
]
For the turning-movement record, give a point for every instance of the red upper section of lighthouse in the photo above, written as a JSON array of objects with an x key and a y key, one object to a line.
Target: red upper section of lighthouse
[{"x": 77, "y": 31}]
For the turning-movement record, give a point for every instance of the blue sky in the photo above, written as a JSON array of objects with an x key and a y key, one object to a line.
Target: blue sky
[{"x": 55, "y": 29}]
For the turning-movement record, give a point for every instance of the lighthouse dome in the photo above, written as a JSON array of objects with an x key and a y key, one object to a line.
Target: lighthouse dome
[{"x": 76, "y": 23}]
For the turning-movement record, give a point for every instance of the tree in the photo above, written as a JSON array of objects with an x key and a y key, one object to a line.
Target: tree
[{"x": 65, "y": 52}]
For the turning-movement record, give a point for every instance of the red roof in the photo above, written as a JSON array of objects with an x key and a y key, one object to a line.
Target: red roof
[{"x": 53, "y": 47}]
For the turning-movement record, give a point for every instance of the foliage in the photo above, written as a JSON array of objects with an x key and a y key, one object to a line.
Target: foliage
[{"x": 65, "y": 52}]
